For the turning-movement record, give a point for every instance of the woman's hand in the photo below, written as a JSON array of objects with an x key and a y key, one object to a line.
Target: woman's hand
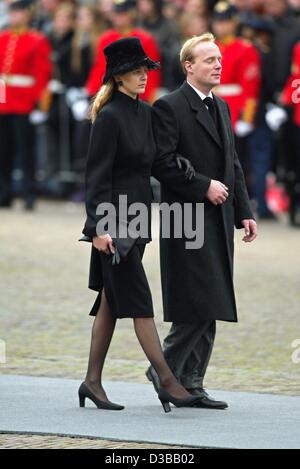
[{"x": 104, "y": 244}]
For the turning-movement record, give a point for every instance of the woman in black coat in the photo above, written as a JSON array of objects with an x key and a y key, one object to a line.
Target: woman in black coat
[{"x": 120, "y": 156}]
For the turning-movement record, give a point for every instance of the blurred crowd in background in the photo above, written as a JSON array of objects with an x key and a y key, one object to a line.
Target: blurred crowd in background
[{"x": 52, "y": 63}]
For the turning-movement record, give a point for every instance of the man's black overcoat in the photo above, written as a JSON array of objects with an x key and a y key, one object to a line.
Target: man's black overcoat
[{"x": 198, "y": 284}]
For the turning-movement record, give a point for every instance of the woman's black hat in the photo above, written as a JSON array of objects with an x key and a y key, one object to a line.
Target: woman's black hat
[{"x": 125, "y": 55}]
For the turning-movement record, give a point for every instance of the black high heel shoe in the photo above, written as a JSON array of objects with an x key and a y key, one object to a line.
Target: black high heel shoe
[
  {"x": 84, "y": 392},
  {"x": 152, "y": 376},
  {"x": 165, "y": 399}
]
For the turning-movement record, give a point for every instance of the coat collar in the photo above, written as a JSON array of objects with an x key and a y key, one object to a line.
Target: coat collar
[
  {"x": 126, "y": 100},
  {"x": 199, "y": 93},
  {"x": 224, "y": 120},
  {"x": 202, "y": 116}
]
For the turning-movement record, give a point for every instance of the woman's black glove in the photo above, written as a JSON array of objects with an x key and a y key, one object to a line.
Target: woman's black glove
[{"x": 189, "y": 168}]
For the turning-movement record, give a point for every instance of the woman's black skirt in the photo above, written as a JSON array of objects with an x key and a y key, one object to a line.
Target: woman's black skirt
[{"x": 126, "y": 286}]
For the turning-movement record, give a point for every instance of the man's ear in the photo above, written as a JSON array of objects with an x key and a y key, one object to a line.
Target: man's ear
[{"x": 188, "y": 66}]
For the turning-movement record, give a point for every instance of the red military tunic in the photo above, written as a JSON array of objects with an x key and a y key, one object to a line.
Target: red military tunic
[
  {"x": 25, "y": 69},
  {"x": 98, "y": 71},
  {"x": 291, "y": 92},
  {"x": 240, "y": 79}
]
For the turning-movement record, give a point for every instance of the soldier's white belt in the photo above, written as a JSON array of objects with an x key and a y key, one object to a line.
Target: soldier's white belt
[
  {"x": 24, "y": 81},
  {"x": 228, "y": 90}
]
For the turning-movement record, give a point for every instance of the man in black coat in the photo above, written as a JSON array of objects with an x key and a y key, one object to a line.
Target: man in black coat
[{"x": 197, "y": 284}]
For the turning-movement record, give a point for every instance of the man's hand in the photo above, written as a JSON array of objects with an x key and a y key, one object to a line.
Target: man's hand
[
  {"x": 217, "y": 192},
  {"x": 250, "y": 230}
]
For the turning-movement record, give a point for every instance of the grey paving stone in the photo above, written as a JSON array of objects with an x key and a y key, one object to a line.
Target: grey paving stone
[{"x": 49, "y": 405}]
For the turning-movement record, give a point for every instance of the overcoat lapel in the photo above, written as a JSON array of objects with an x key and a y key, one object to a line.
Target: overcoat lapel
[
  {"x": 201, "y": 113},
  {"x": 225, "y": 126}
]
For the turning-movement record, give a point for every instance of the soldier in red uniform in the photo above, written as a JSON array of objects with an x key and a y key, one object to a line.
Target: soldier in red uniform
[
  {"x": 25, "y": 69},
  {"x": 123, "y": 20},
  {"x": 291, "y": 99},
  {"x": 291, "y": 92},
  {"x": 240, "y": 84}
]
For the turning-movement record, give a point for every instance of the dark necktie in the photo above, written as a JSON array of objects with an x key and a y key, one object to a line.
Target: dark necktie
[{"x": 209, "y": 102}]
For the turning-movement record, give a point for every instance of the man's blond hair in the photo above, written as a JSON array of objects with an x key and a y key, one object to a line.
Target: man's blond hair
[{"x": 188, "y": 48}]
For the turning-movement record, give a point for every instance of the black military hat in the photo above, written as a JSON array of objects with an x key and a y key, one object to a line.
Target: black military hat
[
  {"x": 20, "y": 4},
  {"x": 124, "y": 5},
  {"x": 125, "y": 55},
  {"x": 224, "y": 11}
]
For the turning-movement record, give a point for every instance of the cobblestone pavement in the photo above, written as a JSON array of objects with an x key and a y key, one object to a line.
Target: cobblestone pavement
[
  {"x": 44, "y": 305},
  {"x": 17, "y": 441}
]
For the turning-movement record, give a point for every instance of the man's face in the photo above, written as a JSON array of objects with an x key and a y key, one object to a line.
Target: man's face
[
  {"x": 18, "y": 17},
  {"x": 122, "y": 19},
  {"x": 206, "y": 67},
  {"x": 224, "y": 27}
]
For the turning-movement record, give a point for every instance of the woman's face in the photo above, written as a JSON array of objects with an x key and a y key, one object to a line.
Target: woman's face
[
  {"x": 133, "y": 83},
  {"x": 85, "y": 19},
  {"x": 146, "y": 8},
  {"x": 63, "y": 22}
]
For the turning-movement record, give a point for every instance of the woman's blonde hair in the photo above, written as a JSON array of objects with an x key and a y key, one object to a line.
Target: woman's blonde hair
[
  {"x": 103, "y": 96},
  {"x": 187, "y": 51}
]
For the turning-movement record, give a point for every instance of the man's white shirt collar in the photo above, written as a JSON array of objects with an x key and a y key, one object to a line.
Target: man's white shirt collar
[{"x": 200, "y": 94}]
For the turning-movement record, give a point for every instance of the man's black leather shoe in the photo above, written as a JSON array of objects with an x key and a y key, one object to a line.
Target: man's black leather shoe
[{"x": 205, "y": 401}]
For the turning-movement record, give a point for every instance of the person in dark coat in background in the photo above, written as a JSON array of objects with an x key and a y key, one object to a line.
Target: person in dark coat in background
[
  {"x": 197, "y": 284},
  {"x": 286, "y": 35},
  {"x": 60, "y": 125},
  {"x": 162, "y": 29},
  {"x": 120, "y": 156}
]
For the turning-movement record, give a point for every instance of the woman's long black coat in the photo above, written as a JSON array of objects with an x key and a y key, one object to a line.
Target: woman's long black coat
[
  {"x": 119, "y": 162},
  {"x": 120, "y": 156},
  {"x": 198, "y": 284}
]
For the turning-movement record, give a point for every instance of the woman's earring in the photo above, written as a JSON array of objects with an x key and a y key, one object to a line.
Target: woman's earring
[{"x": 119, "y": 83}]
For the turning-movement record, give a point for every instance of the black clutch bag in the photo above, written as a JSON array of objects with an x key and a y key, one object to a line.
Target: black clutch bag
[{"x": 122, "y": 245}]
